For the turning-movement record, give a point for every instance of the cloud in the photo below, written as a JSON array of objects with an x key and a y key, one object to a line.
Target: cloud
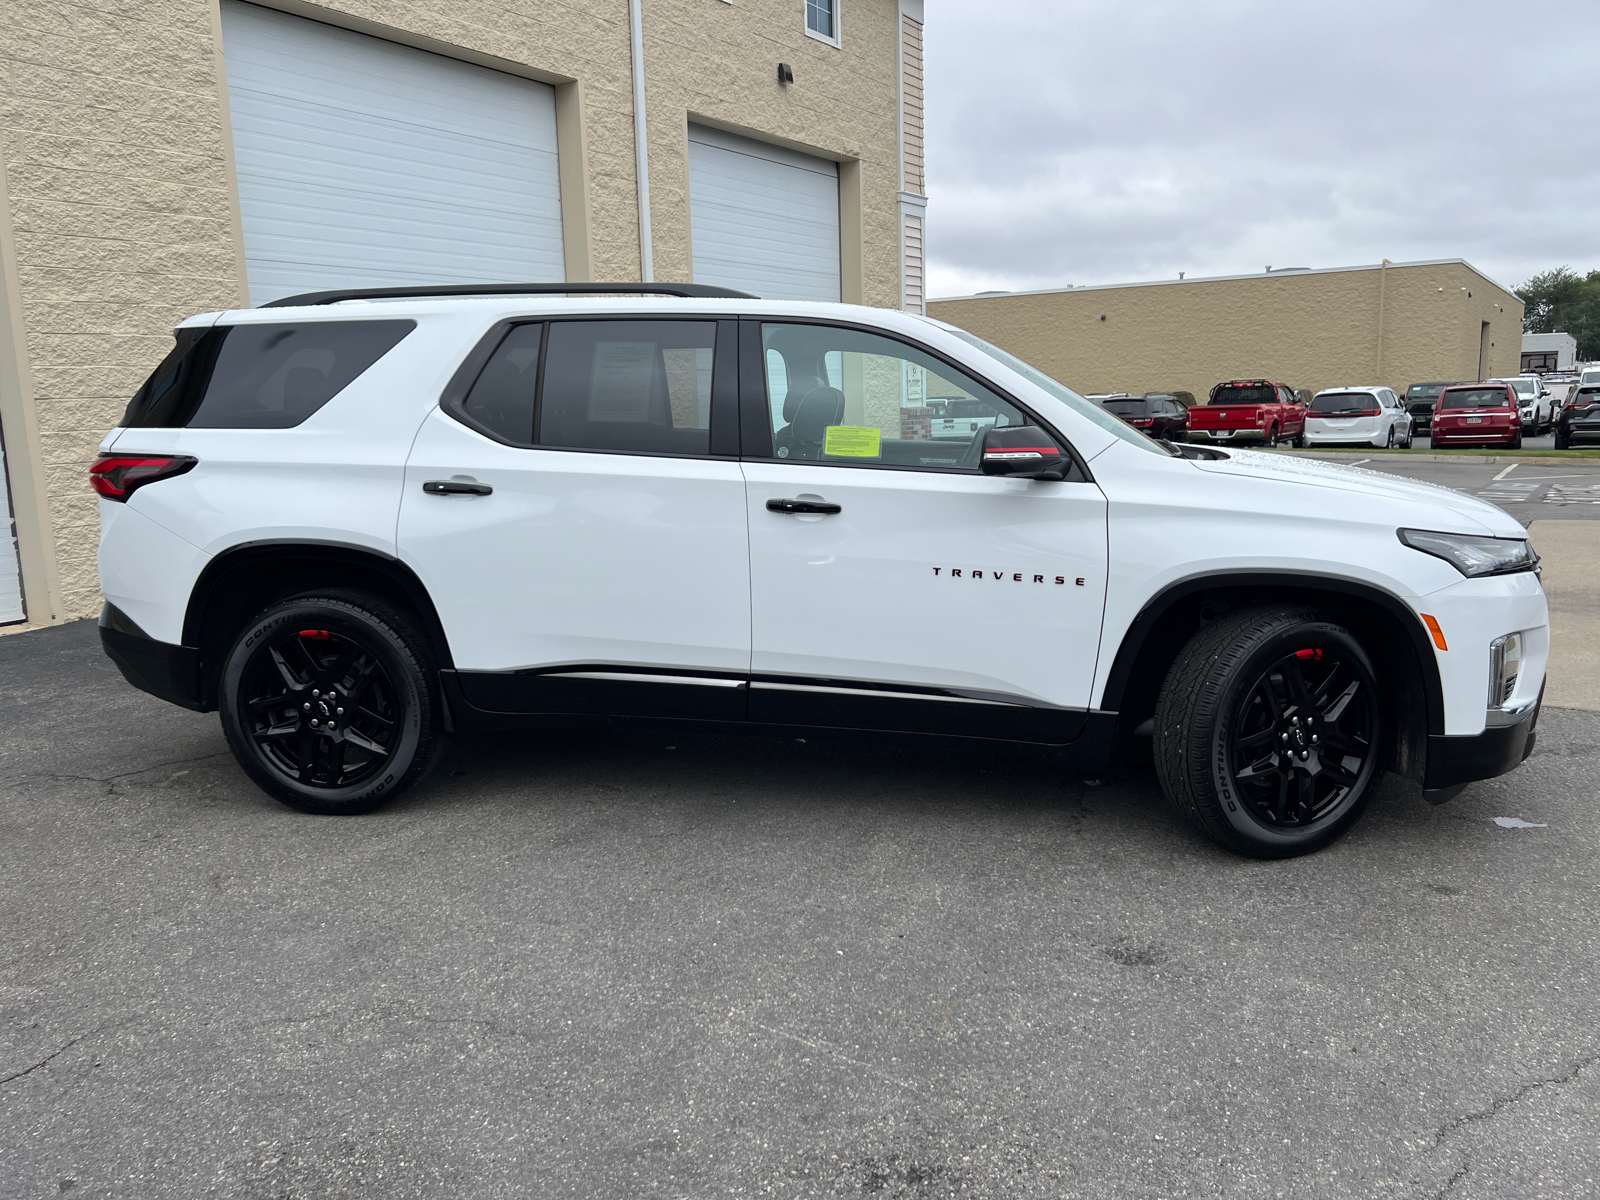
[{"x": 1093, "y": 142}]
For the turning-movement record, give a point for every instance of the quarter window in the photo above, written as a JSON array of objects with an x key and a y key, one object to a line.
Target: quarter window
[
  {"x": 266, "y": 376},
  {"x": 822, "y": 18},
  {"x": 854, "y": 398}
]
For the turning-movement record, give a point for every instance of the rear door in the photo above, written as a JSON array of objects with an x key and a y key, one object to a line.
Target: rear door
[
  {"x": 895, "y": 586},
  {"x": 576, "y": 510}
]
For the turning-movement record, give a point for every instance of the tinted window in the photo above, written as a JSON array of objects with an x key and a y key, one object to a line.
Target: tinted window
[
  {"x": 1344, "y": 402},
  {"x": 1424, "y": 391},
  {"x": 1494, "y": 397},
  {"x": 175, "y": 387},
  {"x": 502, "y": 398},
  {"x": 270, "y": 376},
  {"x": 845, "y": 396},
  {"x": 628, "y": 385},
  {"x": 1246, "y": 395},
  {"x": 1132, "y": 408}
]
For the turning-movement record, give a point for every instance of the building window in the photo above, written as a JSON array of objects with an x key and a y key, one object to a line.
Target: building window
[{"x": 822, "y": 19}]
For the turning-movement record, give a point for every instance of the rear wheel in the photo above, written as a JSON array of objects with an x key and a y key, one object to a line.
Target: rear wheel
[
  {"x": 1271, "y": 441},
  {"x": 1388, "y": 442},
  {"x": 1267, "y": 731},
  {"x": 1563, "y": 441},
  {"x": 1516, "y": 439},
  {"x": 331, "y": 703}
]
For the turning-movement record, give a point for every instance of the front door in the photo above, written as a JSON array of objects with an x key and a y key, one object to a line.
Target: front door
[
  {"x": 585, "y": 549},
  {"x": 903, "y": 589}
]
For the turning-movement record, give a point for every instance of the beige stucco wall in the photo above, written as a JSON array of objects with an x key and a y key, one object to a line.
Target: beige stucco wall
[
  {"x": 1310, "y": 331},
  {"x": 123, "y": 211}
]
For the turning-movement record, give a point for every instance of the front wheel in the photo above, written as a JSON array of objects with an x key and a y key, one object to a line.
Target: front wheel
[
  {"x": 331, "y": 703},
  {"x": 1267, "y": 731}
]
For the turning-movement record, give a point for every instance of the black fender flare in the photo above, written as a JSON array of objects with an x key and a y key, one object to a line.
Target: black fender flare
[
  {"x": 263, "y": 553},
  {"x": 1156, "y": 607}
]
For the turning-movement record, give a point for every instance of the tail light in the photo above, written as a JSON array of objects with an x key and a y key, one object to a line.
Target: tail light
[
  {"x": 1141, "y": 420},
  {"x": 116, "y": 476}
]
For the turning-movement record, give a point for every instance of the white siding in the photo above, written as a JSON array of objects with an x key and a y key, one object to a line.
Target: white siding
[
  {"x": 363, "y": 163},
  {"x": 911, "y": 251},
  {"x": 764, "y": 219},
  {"x": 10, "y": 571}
]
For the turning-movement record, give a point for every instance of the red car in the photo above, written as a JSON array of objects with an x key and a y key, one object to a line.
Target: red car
[
  {"x": 1477, "y": 414},
  {"x": 1250, "y": 409}
]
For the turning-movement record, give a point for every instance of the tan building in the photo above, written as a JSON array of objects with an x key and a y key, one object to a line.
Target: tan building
[
  {"x": 1393, "y": 324},
  {"x": 180, "y": 156}
]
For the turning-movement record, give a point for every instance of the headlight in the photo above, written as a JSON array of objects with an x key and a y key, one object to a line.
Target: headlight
[{"x": 1472, "y": 555}]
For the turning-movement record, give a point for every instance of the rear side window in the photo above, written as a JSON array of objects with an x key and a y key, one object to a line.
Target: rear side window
[
  {"x": 270, "y": 376},
  {"x": 643, "y": 386}
]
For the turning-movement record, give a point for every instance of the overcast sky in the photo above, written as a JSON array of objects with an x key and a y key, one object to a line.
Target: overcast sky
[{"x": 1107, "y": 141}]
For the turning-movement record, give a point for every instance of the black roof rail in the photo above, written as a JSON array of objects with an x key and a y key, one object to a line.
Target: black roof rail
[{"x": 685, "y": 291}]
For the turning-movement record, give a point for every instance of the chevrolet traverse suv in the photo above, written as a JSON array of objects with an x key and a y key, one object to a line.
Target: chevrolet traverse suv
[{"x": 355, "y": 522}]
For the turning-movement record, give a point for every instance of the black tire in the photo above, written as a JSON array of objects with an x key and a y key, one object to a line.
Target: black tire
[
  {"x": 1563, "y": 442},
  {"x": 1516, "y": 441},
  {"x": 1214, "y": 725},
  {"x": 1389, "y": 441},
  {"x": 304, "y": 660},
  {"x": 1271, "y": 441}
]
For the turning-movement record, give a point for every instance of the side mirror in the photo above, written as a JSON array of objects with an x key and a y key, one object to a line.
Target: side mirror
[{"x": 1022, "y": 452}]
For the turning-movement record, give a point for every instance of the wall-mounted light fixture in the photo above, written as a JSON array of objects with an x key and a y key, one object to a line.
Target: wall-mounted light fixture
[{"x": 785, "y": 73}]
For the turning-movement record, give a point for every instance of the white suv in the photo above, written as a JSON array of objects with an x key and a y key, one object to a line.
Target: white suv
[
  {"x": 354, "y": 522},
  {"x": 1372, "y": 416},
  {"x": 1533, "y": 401}
]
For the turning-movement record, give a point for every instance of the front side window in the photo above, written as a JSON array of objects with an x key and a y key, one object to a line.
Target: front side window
[
  {"x": 822, "y": 18},
  {"x": 854, "y": 398},
  {"x": 641, "y": 386}
]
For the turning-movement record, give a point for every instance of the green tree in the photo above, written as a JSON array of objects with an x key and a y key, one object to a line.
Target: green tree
[{"x": 1562, "y": 301}]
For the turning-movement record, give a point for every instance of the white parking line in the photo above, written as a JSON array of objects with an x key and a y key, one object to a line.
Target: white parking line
[{"x": 1504, "y": 473}]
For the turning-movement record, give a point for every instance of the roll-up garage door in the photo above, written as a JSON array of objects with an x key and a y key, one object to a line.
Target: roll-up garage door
[
  {"x": 364, "y": 163},
  {"x": 10, "y": 571},
  {"x": 764, "y": 219}
]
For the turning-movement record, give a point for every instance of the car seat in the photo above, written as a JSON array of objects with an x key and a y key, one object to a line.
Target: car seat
[{"x": 809, "y": 419}]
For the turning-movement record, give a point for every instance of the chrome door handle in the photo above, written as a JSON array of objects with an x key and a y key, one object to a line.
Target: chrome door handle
[
  {"x": 456, "y": 487},
  {"x": 803, "y": 506}
]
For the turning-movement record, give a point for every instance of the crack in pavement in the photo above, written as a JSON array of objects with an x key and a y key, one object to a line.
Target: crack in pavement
[
  {"x": 49, "y": 1058},
  {"x": 1505, "y": 1102},
  {"x": 1452, "y": 1181},
  {"x": 123, "y": 775}
]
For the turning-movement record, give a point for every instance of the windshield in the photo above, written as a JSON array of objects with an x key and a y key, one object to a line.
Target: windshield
[
  {"x": 1525, "y": 387},
  {"x": 1066, "y": 395},
  {"x": 1424, "y": 391},
  {"x": 1245, "y": 395},
  {"x": 1127, "y": 408},
  {"x": 1344, "y": 402},
  {"x": 1475, "y": 398}
]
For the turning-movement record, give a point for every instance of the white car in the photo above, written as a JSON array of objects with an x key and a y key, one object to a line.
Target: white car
[
  {"x": 354, "y": 522},
  {"x": 1534, "y": 402},
  {"x": 1371, "y": 416}
]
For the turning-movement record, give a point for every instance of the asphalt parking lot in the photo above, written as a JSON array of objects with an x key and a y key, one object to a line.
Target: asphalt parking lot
[
  {"x": 1529, "y": 491},
  {"x": 635, "y": 966}
]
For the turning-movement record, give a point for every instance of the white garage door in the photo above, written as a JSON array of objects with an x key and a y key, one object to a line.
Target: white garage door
[
  {"x": 10, "y": 572},
  {"x": 764, "y": 219},
  {"x": 364, "y": 163}
]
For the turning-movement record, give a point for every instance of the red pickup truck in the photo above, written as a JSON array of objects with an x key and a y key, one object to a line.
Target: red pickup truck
[{"x": 1250, "y": 409}]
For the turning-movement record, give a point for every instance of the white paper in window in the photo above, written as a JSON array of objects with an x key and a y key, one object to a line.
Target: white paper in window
[{"x": 620, "y": 381}]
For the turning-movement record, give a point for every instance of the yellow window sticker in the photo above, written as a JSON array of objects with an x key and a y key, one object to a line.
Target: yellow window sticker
[{"x": 852, "y": 441}]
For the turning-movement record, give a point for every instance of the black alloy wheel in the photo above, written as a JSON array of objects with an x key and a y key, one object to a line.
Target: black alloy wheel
[
  {"x": 330, "y": 703},
  {"x": 1267, "y": 731}
]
